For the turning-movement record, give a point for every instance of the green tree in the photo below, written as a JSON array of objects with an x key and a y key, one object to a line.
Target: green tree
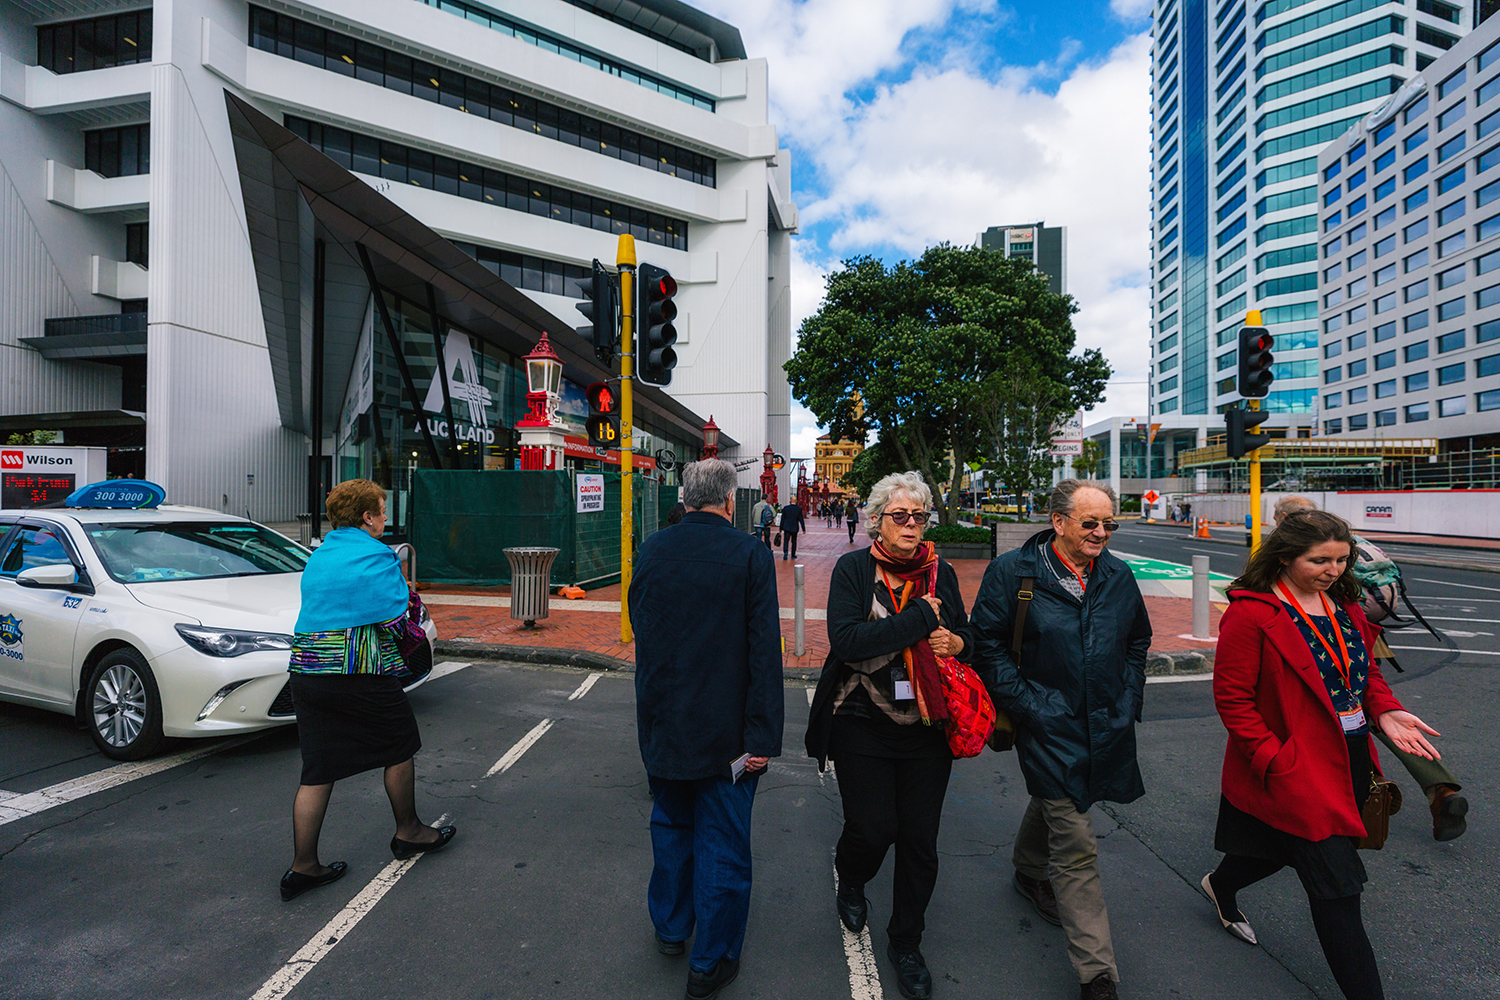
[
  {"x": 918, "y": 341},
  {"x": 1090, "y": 459},
  {"x": 32, "y": 437}
]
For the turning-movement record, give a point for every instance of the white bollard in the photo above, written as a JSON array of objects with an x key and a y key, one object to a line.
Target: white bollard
[
  {"x": 800, "y": 604},
  {"x": 1200, "y": 597}
]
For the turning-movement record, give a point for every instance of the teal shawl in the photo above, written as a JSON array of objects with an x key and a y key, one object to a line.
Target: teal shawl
[{"x": 351, "y": 580}]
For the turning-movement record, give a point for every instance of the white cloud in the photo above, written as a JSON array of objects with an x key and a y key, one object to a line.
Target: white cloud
[{"x": 1131, "y": 10}]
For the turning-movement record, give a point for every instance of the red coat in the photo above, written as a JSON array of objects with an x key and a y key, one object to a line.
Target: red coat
[{"x": 1287, "y": 762}]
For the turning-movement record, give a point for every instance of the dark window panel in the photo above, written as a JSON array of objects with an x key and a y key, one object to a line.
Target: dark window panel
[
  {"x": 517, "y": 194},
  {"x": 393, "y": 162},
  {"x": 286, "y": 38},
  {"x": 109, "y": 152},
  {"x": 310, "y": 44},
  {"x": 541, "y": 198},
  {"x": 65, "y": 63},
  {"x": 445, "y": 175},
  {"x": 83, "y": 46},
  {"x": 470, "y": 182},
  {"x": 451, "y": 85},
  {"x": 339, "y": 145},
  {"x": 546, "y": 120},
  {"x": 398, "y": 71},
  {"x": 502, "y": 109},
  {"x": 369, "y": 63},
  {"x": 366, "y": 155},
  {"x": 419, "y": 168},
  {"x": 531, "y": 273},
  {"x": 130, "y": 151},
  {"x": 341, "y": 54},
  {"x": 523, "y": 112}
]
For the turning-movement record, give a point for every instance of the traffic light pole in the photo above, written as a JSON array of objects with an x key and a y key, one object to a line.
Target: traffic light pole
[
  {"x": 625, "y": 261},
  {"x": 1254, "y": 404}
]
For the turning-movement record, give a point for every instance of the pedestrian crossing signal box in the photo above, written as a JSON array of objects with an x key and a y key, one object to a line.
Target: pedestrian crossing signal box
[{"x": 604, "y": 416}]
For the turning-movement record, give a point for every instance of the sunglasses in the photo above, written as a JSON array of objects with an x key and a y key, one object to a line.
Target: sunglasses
[
  {"x": 901, "y": 516},
  {"x": 1092, "y": 524}
]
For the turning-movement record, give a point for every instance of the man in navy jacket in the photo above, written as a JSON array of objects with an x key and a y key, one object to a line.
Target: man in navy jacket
[{"x": 708, "y": 689}]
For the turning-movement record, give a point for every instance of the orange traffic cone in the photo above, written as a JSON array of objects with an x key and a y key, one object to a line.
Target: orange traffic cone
[{"x": 1202, "y": 529}]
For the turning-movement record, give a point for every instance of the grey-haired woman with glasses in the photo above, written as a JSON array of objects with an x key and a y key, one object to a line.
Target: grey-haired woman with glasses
[{"x": 893, "y": 609}]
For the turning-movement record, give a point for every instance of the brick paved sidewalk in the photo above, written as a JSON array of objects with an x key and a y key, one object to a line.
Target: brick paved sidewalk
[{"x": 819, "y": 549}]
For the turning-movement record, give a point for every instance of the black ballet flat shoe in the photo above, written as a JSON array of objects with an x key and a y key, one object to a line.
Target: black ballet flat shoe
[
  {"x": 294, "y": 884},
  {"x": 404, "y": 849}
]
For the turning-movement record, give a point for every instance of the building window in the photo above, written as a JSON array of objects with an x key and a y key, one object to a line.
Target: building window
[
  {"x": 1451, "y": 244},
  {"x": 1414, "y": 231},
  {"x": 1333, "y": 400},
  {"x": 403, "y": 165},
  {"x": 1487, "y": 297},
  {"x": 1486, "y": 332},
  {"x": 1386, "y": 389},
  {"x": 1450, "y": 341},
  {"x": 292, "y": 39},
  {"x": 1451, "y": 212},
  {"x": 1385, "y": 246},
  {"x": 1385, "y": 303},
  {"x": 1416, "y": 321},
  {"x": 1335, "y": 426},
  {"x": 1385, "y": 274},
  {"x": 1437, "y": 39},
  {"x": 1489, "y": 227},
  {"x": 1332, "y": 375},
  {"x": 1453, "y": 406},
  {"x": 1359, "y": 421},
  {"x": 1414, "y": 383},
  {"x": 1385, "y": 418},
  {"x": 534, "y": 274},
  {"x": 137, "y": 243},
  {"x": 98, "y": 43},
  {"x": 1456, "y": 80},
  {"x": 1356, "y": 341},
  {"x": 1414, "y": 352},
  {"x": 1415, "y": 290},
  {"x": 1359, "y": 394},
  {"x": 1451, "y": 147},
  {"x": 1453, "y": 276},
  {"x": 1452, "y": 309},
  {"x": 1384, "y": 331},
  {"x": 1358, "y": 367},
  {"x": 1384, "y": 360},
  {"x": 123, "y": 151},
  {"x": 1415, "y": 200},
  {"x": 1416, "y": 412},
  {"x": 1487, "y": 400},
  {"x": 1450, "y": 374},
  {"x": 1450, "y": 180}
]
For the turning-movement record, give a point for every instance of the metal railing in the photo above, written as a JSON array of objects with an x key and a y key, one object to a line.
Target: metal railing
[{"x": 73, "y": 326}]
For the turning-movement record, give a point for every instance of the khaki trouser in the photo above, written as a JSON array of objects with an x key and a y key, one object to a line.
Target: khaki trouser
[{"x": 1056, "y": 842}]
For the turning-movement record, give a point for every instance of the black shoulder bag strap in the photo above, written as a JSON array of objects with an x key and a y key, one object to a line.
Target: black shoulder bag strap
[{"x": 1023, "y": 598}]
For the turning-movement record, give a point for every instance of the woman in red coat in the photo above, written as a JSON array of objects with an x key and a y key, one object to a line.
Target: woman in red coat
[{"x": 1298, "y": 691}]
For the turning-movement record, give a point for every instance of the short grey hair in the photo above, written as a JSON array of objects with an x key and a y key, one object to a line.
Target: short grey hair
[
  {"x": 881, "y": 494},
  {"x": 1287, "y": 505},
  {"x": 1063, "y": 494},
  {"x": 708, "y": 484}
]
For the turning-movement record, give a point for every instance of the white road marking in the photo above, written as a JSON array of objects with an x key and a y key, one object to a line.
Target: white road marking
[
  {"x": 583, "y": 688},
  {"x": 864, "y": 974},
  {"x": 447, "y": 667},
  {"x": 1466, "y": 586},
  {"x": 1179, "y": 678},
  {"x": 31, "y": 803},
  {"x": 1422, "y": 649},
  {"x": 810, "y": 693},
  {"x": 1476, "y": 621},
  {"x": 522, "y": 745},
  {"x": 289, "y": 975},
  {"x": 562, "y": 604}
]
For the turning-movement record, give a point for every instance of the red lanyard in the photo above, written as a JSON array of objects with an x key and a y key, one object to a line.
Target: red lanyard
[
  {"x": 1344, "y": 664},
  {"x": 1077, "y": 575},
  {"x": 899, "y": 605}
]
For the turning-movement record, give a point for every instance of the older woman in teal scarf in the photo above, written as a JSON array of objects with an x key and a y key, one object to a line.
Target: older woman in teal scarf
[{"x": 358, "y": 615}]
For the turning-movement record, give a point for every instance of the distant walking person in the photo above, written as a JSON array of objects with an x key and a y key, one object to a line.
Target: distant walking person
[
  {"x": 708, "y": 702},
  {"x": 1074, "y": 688},
  {"x": 851, "y": 518},
  {"x": 346, "y": 666},
  {"x": 792, "y": 523},
  {"x": 838, "y": 515},
  {"x": 763, "y": 516},
  {"x": 1300, "y": 695}
]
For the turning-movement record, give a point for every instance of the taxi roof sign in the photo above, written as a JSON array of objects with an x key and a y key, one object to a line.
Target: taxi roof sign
[{"x": 113, "y": 494}]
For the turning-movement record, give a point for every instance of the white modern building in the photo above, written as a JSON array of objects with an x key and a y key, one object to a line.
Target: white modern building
[
  {"x": 1410, "y": 289},
  {"x": 1245, "y": 94},
  {"x": 197, "y": 197}
]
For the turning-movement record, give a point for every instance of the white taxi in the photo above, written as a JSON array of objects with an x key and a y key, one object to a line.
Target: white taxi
[{"x": 152, "y": 623}]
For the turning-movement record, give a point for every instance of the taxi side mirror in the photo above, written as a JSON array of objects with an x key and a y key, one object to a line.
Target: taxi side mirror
[{"x": 58, "y": 575}]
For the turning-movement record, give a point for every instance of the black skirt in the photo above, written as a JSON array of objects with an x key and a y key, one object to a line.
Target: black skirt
[
  {"x": 1330, "y": 868},
  {"x": 348, "y": 723}
]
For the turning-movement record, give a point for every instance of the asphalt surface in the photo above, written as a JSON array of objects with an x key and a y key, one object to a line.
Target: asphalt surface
[{"x": 165, "y": 886}]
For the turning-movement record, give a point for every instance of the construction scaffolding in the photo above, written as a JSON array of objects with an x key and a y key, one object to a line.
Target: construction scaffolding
[{"x": 1296, "y": 464}]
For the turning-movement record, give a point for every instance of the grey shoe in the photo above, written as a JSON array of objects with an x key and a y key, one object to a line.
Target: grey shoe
[{"x": 1239, "y": 928}]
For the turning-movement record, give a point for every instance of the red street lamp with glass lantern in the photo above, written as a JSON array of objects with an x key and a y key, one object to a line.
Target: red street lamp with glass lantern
[
  {"x": 768, "y": 476},
  {"x": 710, "y": 438},
  {"x": 542, "y": 441}
]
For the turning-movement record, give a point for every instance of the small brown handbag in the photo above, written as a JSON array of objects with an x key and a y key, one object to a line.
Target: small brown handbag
[{"x": 1383, "y": 802}]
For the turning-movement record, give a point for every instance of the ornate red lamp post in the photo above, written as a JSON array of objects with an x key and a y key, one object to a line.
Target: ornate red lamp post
[
  {"x": 768, "y": 476},
  {"x": 542, "y": 441},
  {"x": 710, "y": 438}
]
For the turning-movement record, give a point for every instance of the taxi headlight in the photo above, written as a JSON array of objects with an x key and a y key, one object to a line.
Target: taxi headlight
[{"x": 230, "y": 642}]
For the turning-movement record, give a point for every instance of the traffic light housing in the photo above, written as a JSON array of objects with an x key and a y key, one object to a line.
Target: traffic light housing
[
  {"x": 1239, "y": 423},
  {"x": 598, "y": 306},
  {"x": 604, "y": 416},
  {"x": 1255, "y": 376},
  {"x": 656, "y": 334}
]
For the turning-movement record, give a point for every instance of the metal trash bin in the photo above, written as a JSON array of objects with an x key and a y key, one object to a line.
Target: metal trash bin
[
  {"x": 530, "y": 583},
  {"x": 304, "y": 530}
]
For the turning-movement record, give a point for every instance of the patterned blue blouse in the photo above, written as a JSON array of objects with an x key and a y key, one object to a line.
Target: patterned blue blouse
[{"x": 1344, "y": 699}]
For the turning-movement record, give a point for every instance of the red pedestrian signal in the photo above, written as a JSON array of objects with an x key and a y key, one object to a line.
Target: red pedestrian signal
[{"x": 604, "y": 422}]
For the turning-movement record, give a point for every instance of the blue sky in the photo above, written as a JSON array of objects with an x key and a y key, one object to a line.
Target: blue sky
[{"x": 912, "y": 122}]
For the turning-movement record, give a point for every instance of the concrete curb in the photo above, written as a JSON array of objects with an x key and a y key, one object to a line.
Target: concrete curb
[
  {"x": 1403, "y": 560},
  {"x": 553, "y": 656},
  {"x": 1179, "y": 661}
]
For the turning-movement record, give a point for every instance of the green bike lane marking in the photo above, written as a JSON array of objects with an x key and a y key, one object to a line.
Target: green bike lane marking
[{"x": 1160, "y": 569}]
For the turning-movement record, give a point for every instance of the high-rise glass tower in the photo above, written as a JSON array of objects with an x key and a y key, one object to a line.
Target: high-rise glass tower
[{"x": 1245, "y": 94}]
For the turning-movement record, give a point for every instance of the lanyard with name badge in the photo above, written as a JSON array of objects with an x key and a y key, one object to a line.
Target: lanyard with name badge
[
  {"x": 1353, "y": 719},
  {"x": 900, "y": 684}
]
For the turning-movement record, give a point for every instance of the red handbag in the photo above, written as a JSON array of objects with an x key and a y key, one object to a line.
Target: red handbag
[{"x": 971, "y": 713}]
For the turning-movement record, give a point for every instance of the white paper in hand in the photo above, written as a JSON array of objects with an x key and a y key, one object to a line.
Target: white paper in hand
[{"x": 737, "y": 766}]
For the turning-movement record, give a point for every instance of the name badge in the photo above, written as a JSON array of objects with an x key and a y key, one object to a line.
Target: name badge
[
  {"x": 1352, "y": 720},
  {"x": 900, "y": 686}
]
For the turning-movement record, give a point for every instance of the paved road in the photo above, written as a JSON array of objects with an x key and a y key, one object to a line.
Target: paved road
[{"x": 165, "y": 886}]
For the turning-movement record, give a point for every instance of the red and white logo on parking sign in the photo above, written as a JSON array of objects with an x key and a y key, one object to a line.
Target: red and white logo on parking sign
[{"x": 12, "y": 459}]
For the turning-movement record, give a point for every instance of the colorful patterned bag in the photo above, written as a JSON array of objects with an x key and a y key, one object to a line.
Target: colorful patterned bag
[{"x": 971, "y": 713}]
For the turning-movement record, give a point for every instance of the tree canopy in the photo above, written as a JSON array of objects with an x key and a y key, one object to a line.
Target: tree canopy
[{"x": 957, "y": 355}]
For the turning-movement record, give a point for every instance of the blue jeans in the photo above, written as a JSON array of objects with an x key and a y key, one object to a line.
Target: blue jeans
[{"x": 700, "y": 837}]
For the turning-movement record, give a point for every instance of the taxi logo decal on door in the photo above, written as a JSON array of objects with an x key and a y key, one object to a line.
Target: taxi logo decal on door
[{"x": 10, "y": 638}]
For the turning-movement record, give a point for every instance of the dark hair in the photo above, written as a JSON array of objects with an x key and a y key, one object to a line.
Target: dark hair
[
  {"x": 677, "y": 513},
  {"x": 1298, "y": 532}
]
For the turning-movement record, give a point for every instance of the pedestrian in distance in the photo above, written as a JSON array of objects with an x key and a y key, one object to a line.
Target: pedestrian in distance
[
  {"x": 1300, "y": 695},
  {"x": 358, "y": 615},
  {"x": 792, "y": 523},
  {"x": 709, "y": 713},
  {"x": 874, "y": 712},
  {"x": 677, "y": 513},
  {"x": 1448, "y": 808},
  {"x": 1071, "y": 674},
  {"x": 851, "y": 518},
  {"x": 838, "y": 515},
  {"x": 763, "y": 516}
]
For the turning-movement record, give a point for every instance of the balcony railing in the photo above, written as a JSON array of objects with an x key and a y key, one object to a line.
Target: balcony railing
[{"x": 73, "y": 326}]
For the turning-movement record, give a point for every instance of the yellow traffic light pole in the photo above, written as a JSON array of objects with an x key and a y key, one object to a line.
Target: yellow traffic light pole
[
  {"x": 625, "y": 261},
  {"x": 1252, "y": 318}
]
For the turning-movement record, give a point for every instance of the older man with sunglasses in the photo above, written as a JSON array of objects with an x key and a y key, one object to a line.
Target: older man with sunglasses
[{"x": 1061, "y": 635}]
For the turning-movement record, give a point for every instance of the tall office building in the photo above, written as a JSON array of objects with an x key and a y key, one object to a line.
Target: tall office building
[
  {"x": 1046, "y": 247},
  {"x": 198, "y": 198},
  {"x": 1244, "y": 97}
]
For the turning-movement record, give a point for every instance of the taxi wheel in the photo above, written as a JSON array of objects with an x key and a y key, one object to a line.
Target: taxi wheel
[{"x": 124, "y": 707}]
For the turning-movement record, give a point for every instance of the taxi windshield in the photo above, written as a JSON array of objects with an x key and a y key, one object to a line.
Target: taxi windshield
[{"x": 192, "y": 550}]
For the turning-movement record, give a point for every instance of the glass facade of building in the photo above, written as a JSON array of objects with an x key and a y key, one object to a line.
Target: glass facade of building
[{"x": 1244, "y": 97}]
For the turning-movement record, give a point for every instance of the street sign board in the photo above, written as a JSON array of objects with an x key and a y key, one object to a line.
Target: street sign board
[
  {"x": 1067, "y": 436},
  {"x": 1151, "y": 496},
  {"x": 590, "y": 493}
]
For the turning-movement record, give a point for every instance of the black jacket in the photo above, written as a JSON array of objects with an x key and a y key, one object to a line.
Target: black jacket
[
  {"x": 853, "y": 637},
  {"x": 1076, "y": 696},
  {"x": 792, "y": 519},
  {"x": 707, "y": 625}
]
